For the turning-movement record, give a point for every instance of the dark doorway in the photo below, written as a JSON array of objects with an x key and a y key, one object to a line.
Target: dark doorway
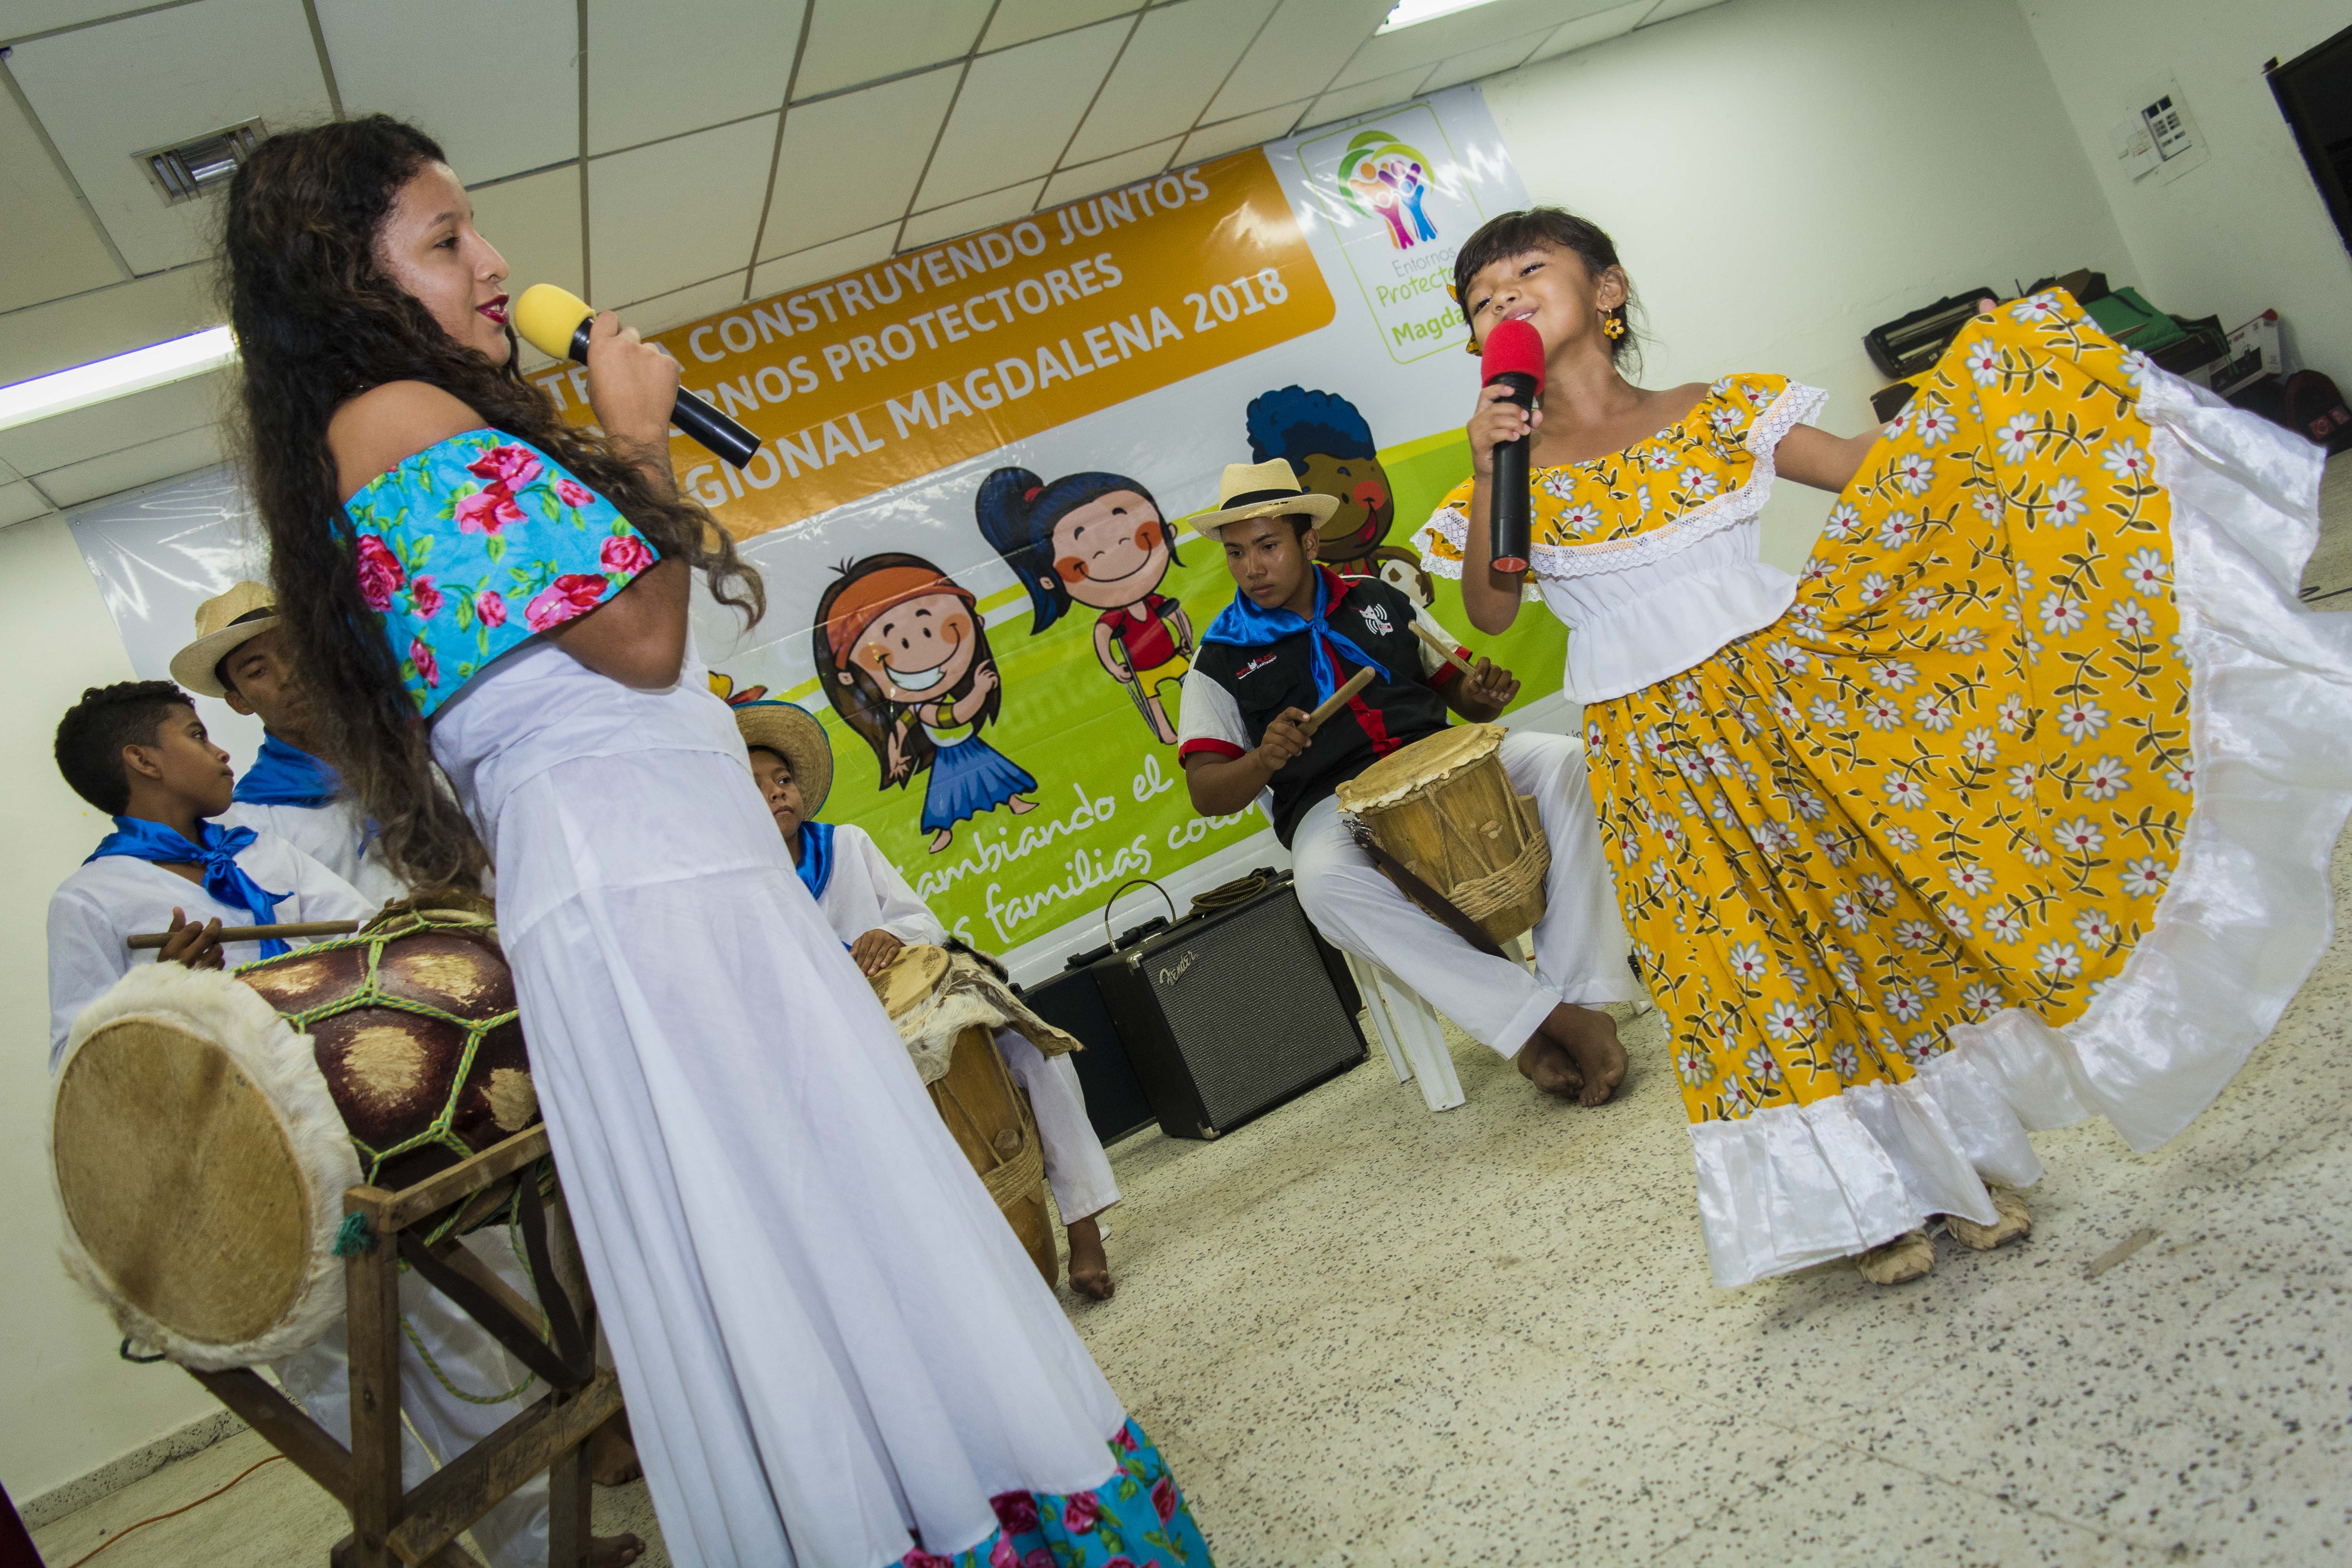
[{"x": 2315, "y": 93}]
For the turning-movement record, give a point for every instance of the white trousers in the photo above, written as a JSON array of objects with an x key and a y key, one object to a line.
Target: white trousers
[
  {"x": 1075, "y": 1166},
  {"x": 439, "y": 1423},
  {"x": 1580, "y": 944}
]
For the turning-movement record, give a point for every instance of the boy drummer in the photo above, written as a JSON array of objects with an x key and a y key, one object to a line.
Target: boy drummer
[
  {"x": 871, "y": 908},
  {"x": 1293, "y": 633}
]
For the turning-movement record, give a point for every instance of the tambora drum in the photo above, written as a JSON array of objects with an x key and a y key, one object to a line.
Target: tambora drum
[
  {"x": 202, "y": 1141},
  {"x": 947, "y": 1007},
  {"x": 1444, "y": 807}
]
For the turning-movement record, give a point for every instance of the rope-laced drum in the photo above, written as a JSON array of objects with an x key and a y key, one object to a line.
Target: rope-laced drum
[
  {"x": 204, "y": 1126},
  {"x": 947, "y": 1007},
  {"x": 1444, "y": 806}
]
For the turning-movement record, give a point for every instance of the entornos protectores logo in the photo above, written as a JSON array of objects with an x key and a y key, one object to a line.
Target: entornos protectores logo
[
  {"x": 1385, "y": 178},
  {"x": 1169, "y": 973}
]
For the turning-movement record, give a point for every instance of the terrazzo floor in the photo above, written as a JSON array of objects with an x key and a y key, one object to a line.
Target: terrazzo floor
[{"x": 1364, "y": 1334}]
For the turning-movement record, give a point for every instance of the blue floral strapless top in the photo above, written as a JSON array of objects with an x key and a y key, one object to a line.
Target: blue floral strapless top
[{"x": 474, "y": 544}]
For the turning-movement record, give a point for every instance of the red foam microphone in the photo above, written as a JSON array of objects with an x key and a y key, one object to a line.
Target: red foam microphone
[{"x": 1514, "y": 358}]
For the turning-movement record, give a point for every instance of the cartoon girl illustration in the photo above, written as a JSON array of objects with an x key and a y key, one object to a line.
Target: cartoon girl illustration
[
  {"x": 905, "y": 661},
  {"x": 1099, "y": 540}
]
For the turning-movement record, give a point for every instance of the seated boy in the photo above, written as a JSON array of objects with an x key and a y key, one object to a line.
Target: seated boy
[
  {"x": 1293, "y": 635},
  {"x": 240, "y": 655},
  {"x": 871, "y": 908},
  {"x": 137, "y": 751}
]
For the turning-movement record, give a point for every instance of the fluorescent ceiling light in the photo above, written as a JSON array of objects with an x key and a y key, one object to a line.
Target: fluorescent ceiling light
[
  {"x": 154, "y": 365},
  {"x": 1409, "y": 11}
]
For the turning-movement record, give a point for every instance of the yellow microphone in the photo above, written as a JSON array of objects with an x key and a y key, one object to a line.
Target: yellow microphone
[{"x": 555, "y": 322}]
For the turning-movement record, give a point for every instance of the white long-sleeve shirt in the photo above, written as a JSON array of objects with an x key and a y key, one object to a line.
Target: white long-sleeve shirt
[
  {"x": 867, "y": 893},
  {"x": 95, "y": 911},
  {"x": 334, "y": 835}
]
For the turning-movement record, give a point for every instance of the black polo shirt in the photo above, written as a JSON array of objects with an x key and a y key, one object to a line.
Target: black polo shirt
[{"x": 1233, "y": 693}]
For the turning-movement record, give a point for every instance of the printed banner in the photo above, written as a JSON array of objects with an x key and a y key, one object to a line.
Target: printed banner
[{"x": 968, "y": 500}]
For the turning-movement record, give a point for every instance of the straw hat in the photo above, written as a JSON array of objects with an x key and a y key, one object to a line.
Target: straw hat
[
  {"x": 792, "y": 733},
  {"x": 239, "y": 616},
  {"x": 1261, "y": 489}
]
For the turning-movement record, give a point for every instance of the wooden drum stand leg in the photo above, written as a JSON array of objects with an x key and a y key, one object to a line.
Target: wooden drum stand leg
[{"x": 419, "y": 1528}]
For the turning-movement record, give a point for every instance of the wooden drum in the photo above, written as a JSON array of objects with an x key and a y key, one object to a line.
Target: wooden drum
[
  {"x": 984, "y": 1110},
  {"x": 1444, "y": 807}
]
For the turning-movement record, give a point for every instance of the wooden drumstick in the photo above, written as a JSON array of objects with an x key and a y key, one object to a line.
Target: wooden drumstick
[
  {"x": 255, "y": 933},
  {"x": 1443, "y": 648},
  {"x": 1331, "y": 704}
]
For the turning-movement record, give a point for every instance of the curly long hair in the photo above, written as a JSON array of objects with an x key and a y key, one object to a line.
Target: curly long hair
[{"x": 319, "y": 322}]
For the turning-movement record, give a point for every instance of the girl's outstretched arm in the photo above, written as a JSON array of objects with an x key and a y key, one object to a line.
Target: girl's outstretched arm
[{"x": 1824, "y": 461}]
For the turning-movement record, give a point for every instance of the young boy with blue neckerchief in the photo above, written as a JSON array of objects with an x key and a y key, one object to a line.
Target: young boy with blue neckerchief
[{"x": 240, "y": 657}]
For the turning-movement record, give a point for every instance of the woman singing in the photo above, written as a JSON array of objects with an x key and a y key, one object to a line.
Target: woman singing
[{"x": 833, "y": 1349}]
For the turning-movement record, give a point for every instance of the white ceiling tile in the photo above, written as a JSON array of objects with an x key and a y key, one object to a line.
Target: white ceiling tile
[
  {"x": 1297, "y": 54},
  {"x": 111, "y": 321},
  {"x": 168, "y": 458},
  {"x": 708, "y": 298},
  {"x": 535, "y": 222},
  {"x": 964, "y": 217},
  {"x": 664, "y": 216},
  {"x": 849, "y": 42},
  {"x": 105, "y": 92},
  {"x": 20, "y": 502},
  {"x": 9, "y": 474},
  {"x": 822, "y": 194},
  {"x": 1585, "y": 31},
  {"x": 1387, "y": 53},
  {"x": 1666, "y": 10},
  {"x": 48, "y": 246},
  {"x": 653, "y": 70},
  {"x": 121, "y": 422},
  {"x": 1108, "y": 173},
  {"x": 1248, "y": 131},
  {"x": 1007, "y": 125},
  {"x": 1494, "y": 57},
  {"x": 1018, "y": 21},
  {"x": 821, "y": 261},
  {"x": 22, "y": 17},
  {"x": 1172, "y": 67},
  {"x": 1365, "y": 97},
  {"x": 501, "y": 94}
]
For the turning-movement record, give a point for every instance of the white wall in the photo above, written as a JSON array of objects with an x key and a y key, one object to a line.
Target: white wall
[
  {"x": 1783, "y": 176},
  {"x": 70, "y": 1405},
  {"x": 2246, "y": 231}
]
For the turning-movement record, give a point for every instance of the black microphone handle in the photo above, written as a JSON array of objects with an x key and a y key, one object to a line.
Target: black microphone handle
[
  {"x": 700, "y": 422},
  {"x": 1509, "y": 500}
]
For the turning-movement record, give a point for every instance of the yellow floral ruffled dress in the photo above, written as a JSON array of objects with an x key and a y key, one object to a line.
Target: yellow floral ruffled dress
[{"x": 2014, "y": 806}]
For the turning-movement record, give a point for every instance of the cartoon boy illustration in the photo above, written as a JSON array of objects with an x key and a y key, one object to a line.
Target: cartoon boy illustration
[
  {"x": 1330, "y": 446},
  {"x": 1098, "y": 539},
  {"x": 904, "y": 659}
]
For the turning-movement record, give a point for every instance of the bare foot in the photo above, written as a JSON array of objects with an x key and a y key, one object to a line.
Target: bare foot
[
  {"x": 1020, "y": 807},
  {"x": 612, "y": 1456},
  {"x": 1089, "y": 1267},
  {"x": 614, "y": 1551},
  {"x": 941, "y": 839},
  {"x": 1544, "y": 1063},
  {"x": 1589, "y": 1037}
]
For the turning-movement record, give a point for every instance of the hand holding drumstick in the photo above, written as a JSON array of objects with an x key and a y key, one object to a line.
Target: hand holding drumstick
[{"x": 1485, "y": 688}]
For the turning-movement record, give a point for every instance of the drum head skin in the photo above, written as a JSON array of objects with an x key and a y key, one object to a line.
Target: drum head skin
[
  {"x": 1414, "y": 767},
  {"x": 200, "y": 1167},
  {"x": 911, "y": 980}
]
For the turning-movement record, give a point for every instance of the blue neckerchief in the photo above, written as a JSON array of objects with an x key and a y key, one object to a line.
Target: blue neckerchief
[
  {"x": 225, "y": 880},
  {"x": 288, "y": 775},
  {"x": 1243, "y": 624},
  {"x": 816, "y": 857}
]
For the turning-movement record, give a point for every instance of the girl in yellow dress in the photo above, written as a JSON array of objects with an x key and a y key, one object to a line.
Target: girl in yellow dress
[{"x": 2015, "y": 806}]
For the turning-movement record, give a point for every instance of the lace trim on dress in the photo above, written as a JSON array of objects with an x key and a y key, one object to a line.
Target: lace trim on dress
[{"x": 1791, "y": 406}]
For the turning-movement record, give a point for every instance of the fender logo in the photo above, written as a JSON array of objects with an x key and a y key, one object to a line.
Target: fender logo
[
  {"x": 1170, "y": 976},
  {"x": 1254, "y": 664}
]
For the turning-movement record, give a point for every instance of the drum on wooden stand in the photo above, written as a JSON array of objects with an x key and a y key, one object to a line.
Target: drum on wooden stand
[
  {"x": 204, "y": 1126},
  {"x": 1444, "y": 806},
  {"x": 947, "y": 1009}
]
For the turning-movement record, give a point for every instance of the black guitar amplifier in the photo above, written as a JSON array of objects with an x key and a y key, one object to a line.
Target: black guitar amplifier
[
  {"x": 1116, "y": 1103},
  {"x": 1227, "y": 1015}
]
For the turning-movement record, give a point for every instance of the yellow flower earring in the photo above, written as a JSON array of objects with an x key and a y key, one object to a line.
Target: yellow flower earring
[{"x": 1613, "y": 324}]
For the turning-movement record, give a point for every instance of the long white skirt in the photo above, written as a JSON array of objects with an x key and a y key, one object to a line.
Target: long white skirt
[{"x": 826, "y": 1333}]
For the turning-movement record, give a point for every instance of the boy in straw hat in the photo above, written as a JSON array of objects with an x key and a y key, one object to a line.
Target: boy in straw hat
[
  {"x": 871, "y": 908},
  {"x": 240, "y": 655},
  {"x": 1294, "y": 634}
]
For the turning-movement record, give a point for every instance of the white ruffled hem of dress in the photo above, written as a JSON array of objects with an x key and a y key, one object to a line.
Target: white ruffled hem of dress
[{"x": 2250, "y": 908}]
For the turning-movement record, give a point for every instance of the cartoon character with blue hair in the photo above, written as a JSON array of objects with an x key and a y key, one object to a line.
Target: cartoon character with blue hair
[
  {"x": 1330, "y": 446},
  {"x": 1096, "y": 540}
]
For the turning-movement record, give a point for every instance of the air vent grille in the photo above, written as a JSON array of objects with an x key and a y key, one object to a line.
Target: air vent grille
[{"x": 190, "y": 169}]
